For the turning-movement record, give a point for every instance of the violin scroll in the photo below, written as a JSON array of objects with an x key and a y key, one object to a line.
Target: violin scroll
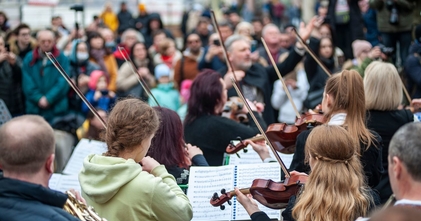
[{"x": 225, "y": 197}]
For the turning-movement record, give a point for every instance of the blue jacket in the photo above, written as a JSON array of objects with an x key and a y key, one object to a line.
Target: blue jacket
[
  {"x": 214, "y": 64},
  {"x": 166, "y": 96},
  {"x": 45, "y": 80},
  {"x": 23, "y": 201},
  {"x": 104, "y": 102}
]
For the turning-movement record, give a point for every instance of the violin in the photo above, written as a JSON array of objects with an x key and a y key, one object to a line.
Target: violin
[
  {"x": 274, "y": 195},
  {"x": 232, "y": 110},
  {"x": 282, "y": 135},
  {"x": 267, "y": 192}
]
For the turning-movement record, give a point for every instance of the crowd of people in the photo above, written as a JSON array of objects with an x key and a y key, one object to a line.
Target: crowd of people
[{"x": 162, "y": 103}]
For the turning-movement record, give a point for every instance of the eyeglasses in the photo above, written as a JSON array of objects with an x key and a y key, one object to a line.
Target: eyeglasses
[
  {"x": 193, "y": 41},
  {"x": 24, "y": 33}
]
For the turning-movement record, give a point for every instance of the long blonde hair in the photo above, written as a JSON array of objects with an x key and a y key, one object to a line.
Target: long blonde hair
[
  {"x": 335, "y": 189},
  {"x": 383, "y": 86},
  {"x": 347, "y": 91}
]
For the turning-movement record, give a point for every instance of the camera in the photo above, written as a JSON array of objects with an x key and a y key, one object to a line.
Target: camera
[
  {"x": 217, "y": 42},
  {"x": 77, "y": 8},
  {"x": 386, "y": 50},
  {"x": 394, "y": 16}
]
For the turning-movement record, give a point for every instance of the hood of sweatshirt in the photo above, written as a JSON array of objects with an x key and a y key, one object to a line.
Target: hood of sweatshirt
[{"x": 102, "y": 177}]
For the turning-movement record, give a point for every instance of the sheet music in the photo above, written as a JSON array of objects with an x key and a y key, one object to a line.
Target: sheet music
[
  {"x": 252, "y": 157},
  {"x": 245, "y": 176},
  {"x": 62, "y": 182},
  {"x": 203, "y": 182},
  {"x": 83, "y": 149}
]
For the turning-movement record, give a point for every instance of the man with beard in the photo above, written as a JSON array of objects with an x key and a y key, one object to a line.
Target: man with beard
[
  {"x": 186, "y": 67},
  {"x": 255, "y": 80}
]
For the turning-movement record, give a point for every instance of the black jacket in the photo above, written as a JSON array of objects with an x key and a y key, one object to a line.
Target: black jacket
[
  {"x": 386, "y": 123},
  {"x": 148, "y": 32},
  {"x": 263, "y": 78},
  {"x": 11, "y": 87},
  {"x": 413, "y": 70},
  {"x": 125, "y": 21},
  {"x": 355, "y": 19},
  {"x": 22, "y": 201},
  {"x": 371, "y": 158},
  {"x": 213, "y": 133}
]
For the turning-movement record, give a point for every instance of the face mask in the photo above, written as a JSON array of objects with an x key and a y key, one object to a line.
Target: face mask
[
  {"x": 110, "y": 44},
  {"x": 82, "y": 56},
  {"x": 67, "y": 53}
]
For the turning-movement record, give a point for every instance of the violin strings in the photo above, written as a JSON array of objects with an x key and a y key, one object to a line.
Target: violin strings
[
  {"x": 60, "y": 69},
  {"x": 139, "y": 78}
]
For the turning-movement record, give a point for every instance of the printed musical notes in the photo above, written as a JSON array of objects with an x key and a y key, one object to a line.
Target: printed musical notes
[
  {"x": 63, "y": 183},
  {"x": 204, "y": 181}
]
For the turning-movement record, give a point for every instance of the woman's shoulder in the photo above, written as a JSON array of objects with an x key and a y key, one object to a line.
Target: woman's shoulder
[
  {"x": 398, "y": 116},
  {"x": 211, "y": 121}
]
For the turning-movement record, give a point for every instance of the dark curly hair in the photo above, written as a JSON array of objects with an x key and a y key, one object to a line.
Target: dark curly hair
[{"x": 129, "y": 123}]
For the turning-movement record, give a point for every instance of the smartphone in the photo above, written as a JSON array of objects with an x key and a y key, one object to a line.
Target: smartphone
[
  {"x": 7, "y": 46},
  {"x": 217, "y": 42},
  {"x": 253, "y": 46},
  {"x": 104, "y": 92}
]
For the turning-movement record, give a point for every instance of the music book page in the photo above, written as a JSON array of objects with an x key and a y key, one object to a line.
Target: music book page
[
  {"x": 252, "y": 157},
  {"x": 82, "y": 150},
  {"x": 60, "y": 182},
  {"x": 205, "y": 181}
]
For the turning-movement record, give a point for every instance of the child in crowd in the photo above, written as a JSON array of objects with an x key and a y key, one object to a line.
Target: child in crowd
[
  {"x": 98, "y": 94},
  {"x": 184, "y": 95},
  {"x": 168, "y": 53},
  {"x": 165, "y": 92}
]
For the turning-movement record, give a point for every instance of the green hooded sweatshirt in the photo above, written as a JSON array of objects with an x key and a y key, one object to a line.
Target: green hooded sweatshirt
[{"x": 118, "y": 189}]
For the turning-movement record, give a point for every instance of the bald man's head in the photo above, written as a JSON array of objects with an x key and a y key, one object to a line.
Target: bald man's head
[
  {"x": 25, "y": 144},
  {"x": 46, "y": 40}
]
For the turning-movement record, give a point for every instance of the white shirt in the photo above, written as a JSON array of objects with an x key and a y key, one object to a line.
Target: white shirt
[{"x": 337, "y": 119}]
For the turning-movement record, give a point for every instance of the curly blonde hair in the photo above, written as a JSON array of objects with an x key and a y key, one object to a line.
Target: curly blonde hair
[{"x": 335, "y": 189}]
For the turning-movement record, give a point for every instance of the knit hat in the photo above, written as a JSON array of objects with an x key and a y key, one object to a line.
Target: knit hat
[
  {"x": 358, "y": 46},
  {"x": 162, "y": 70},
  {"x": 185, "y": 89},
  {"x": 94, "y": 77},
  {"x": 418, "y": 33},
  {"x": 142, "y": 7}
]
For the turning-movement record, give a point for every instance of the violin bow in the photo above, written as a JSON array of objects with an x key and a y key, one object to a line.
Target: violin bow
[
  {"x": 140, "y": 79},
  {"x": 262, "y": 132},
  {"x": 60, "y": 69},
  {"x": 224, "y": 49},
  {"x": 281, "y": 79},
  {"x": 308, "y": 49},
  {"x": 406, "y": 94}
]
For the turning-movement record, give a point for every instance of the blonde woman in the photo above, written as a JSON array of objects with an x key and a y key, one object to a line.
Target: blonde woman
[
  {"x": 245, "y": 29},
  {"x": 383, "y": 92},
  {"x": 344, "y": 104},
  {"x": 328, "y": 194}
]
